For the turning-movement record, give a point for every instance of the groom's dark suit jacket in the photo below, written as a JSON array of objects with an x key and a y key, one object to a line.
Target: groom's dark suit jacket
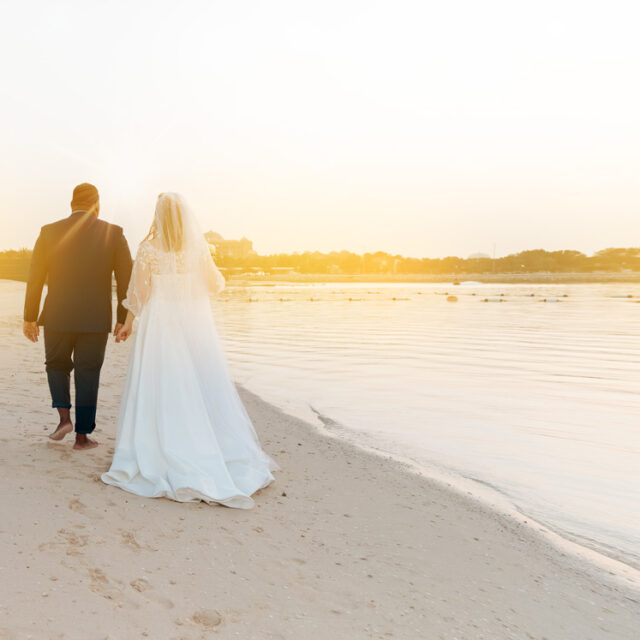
[{"x": 76, "y": 256}]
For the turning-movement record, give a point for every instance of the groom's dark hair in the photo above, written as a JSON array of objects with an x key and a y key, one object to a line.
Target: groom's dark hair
[{"x": 86, "y": 198}]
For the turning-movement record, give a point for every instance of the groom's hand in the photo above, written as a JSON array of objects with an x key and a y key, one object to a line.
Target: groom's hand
[{"x": 31, "y": 330}]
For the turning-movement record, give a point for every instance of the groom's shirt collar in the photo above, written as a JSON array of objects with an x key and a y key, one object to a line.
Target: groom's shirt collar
[{"x": 79, "y": 211}]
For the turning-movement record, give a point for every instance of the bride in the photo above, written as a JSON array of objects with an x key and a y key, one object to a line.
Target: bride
[{"x": 183, "y": 432}]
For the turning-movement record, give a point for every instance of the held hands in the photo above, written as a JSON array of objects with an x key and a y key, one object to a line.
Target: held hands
[
  {"x": 123, "y": 331},
  {"x": 31, "y": 330}
]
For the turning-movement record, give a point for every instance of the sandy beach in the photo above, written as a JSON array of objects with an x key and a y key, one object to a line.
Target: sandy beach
[{"x": 345, "y": 544}]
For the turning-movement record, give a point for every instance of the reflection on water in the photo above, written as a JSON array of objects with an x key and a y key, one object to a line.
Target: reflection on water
[{"x": 538, "y": 399}]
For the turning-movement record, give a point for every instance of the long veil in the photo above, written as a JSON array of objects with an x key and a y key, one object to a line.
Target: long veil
[
  {"x": 175, "y": 246},
  {"x": 177, "y": 234}
]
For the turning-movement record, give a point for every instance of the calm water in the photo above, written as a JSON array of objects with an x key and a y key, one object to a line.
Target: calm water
[{"x": 540, "y": 401}]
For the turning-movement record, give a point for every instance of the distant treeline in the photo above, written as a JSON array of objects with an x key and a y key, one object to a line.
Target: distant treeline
[
  {"x": 14, "y": 265},
  {"x": 345, "y": 262}
]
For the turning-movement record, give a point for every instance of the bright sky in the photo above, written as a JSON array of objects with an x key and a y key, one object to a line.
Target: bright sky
[{"x": 418, "y": 127}]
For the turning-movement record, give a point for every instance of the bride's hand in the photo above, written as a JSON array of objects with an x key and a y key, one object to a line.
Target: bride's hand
[{"x": 123, "y": 332}]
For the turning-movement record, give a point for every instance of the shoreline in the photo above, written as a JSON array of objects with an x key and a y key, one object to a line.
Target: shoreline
[
  {"x": 446, "y": 278},
  {"x": 614, "y": 564}
]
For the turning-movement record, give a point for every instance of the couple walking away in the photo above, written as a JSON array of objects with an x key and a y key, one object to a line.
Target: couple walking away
[{"x": 183, "y": 432}]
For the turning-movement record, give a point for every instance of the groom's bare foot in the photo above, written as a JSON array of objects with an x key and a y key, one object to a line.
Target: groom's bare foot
[
  {"x": 61, "y": 431},
  {"x": 84, "y": 442}
]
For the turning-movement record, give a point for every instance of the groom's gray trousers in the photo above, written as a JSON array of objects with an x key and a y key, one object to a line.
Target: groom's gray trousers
[{"x": 84, "y": 353}]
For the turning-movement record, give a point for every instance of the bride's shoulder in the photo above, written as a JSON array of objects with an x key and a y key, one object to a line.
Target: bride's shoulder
[
  {"x": 146, "y": 250},
  {"x": 147, "y": 245}
]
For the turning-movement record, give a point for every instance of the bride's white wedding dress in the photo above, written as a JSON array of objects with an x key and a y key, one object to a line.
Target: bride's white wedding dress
[{"x": 183, "y": 432}]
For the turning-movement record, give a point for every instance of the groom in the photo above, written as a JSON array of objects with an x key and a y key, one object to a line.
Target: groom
[{"x": 76, "y": 255}]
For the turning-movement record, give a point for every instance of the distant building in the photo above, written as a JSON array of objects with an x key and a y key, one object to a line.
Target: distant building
[
  {"x": 478, "y": 256},
  {"x": 242, "y": 248}
]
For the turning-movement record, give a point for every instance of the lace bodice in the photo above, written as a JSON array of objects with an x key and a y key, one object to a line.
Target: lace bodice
[{"x": 152, "y": 261}]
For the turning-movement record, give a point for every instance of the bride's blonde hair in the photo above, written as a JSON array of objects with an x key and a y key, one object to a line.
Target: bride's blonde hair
[{"x": 168, "y": 226}]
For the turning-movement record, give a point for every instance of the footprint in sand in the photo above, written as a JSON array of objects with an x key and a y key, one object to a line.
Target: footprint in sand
[
  {"x": 206, "y": 618},
  {"x": 77, "y": 505},
  {"x": 101, "y": 585},
  {"x": 143, "y": 586},
  {"x": 80, "y": 507},
  {"x": 65, "y": 454},
  {"x": 140, "y": 584},
  {"x": 73, "y": 541},
  {"x": 129, "y": 540}
]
